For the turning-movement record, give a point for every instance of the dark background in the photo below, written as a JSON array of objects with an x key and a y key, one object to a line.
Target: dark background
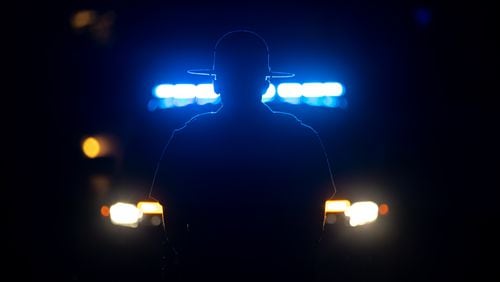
[{"x": 417, "y": 132}]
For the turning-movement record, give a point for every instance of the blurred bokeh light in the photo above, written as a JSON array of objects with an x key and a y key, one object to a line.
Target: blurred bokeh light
[
  {"x": 91, "y": 147},
  {"x": 83, "y": 18},
  {"x": 125, "y": 214},
  {"x": 361, "y": 213}
]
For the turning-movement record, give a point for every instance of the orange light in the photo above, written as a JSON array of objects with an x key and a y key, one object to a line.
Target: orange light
[
  {"x": 383, "y": 209},
  {"x": 91, "y": 147},
  {"x": 105, "y": 211},
  {"x": 336, "y": 206},
  {"x": 101, "y": 145},
  {"x": 148, "y": 207},
  {"x": 83, "y": 18}
]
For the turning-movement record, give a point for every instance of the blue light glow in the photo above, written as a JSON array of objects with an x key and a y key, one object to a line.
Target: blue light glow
[
  {"x": 205, "y": 94},
  {"x": 184, "y": 91},
  {"x": 166, "y": 103},
  {"x": 316, "y": 89},
  {"x": 423, "y": 16},
  {"x": 183, "y": 102},
  {"x": 290, "y": 90},
  {"x": 206, "y": 91},
  {"x": 269, "y": 95},
  {"x": 163, "y": 91},
  {"x": 321, "y": 94}
]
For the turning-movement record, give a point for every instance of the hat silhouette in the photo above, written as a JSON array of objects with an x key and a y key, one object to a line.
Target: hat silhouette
[{"x": 242, "y": 51}]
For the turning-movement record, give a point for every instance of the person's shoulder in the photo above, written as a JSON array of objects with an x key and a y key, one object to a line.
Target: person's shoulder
[
  {"x": 289, "y": 120},
  {"x": 286, "y": 117},
  {"x": 197, "y": 122}
]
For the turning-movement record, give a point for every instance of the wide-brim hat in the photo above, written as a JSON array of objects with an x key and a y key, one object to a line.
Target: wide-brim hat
[
  {"x": 233, "y": 34},
  {"x": 211, "y": 72}
]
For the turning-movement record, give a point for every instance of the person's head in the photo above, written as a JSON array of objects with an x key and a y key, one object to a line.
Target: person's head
[{"x": 241, "y": 66}]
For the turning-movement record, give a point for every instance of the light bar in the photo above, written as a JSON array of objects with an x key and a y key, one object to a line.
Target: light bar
[
  {"x": 311, "y": 93},
  {"x": 310, "y": 90},
  {"x": 185, "y": 91},
  {"x": 329, "y": 89},
  {"x": 290, "y": 90}
]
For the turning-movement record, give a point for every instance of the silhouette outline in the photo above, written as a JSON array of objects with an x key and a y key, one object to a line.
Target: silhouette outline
[{"x": 243, "y": 187}]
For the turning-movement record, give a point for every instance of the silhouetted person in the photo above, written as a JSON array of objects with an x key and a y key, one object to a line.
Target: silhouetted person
[{"x": 243, "y": 187}]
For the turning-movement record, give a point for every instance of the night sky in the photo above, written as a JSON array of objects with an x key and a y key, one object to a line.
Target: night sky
[{"x": 417, "y": 132}]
